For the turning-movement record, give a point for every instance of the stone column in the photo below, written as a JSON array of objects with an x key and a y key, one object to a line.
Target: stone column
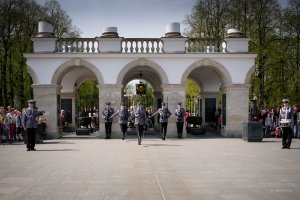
[
  {"x": 113, "y": 94},
  {"x": 204, "y": 96},
  {"x": 71, "y": 95},
  {"x": 48, "y": 100},
  {"x": 172, "y": 94},
  {"x": 237, "y": 109},
  {"x": 157, "y": 95}
]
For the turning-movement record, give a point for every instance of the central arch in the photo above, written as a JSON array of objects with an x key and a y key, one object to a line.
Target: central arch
[{"x": 151, "y": 68}]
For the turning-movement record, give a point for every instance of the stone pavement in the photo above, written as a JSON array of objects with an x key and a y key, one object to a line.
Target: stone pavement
[{"x": 193, "y": 168}]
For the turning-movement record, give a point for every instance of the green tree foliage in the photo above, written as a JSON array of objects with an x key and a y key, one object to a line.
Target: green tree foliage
[
  {"x": 87, "y": 95},
  {"x": 275, "y": 38},
  {"x": 18, "y": 23}
]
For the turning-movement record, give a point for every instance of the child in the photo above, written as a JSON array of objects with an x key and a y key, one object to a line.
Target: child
[{"x": 268, "y": 125}]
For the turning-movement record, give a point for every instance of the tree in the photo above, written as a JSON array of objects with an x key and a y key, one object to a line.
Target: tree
[
  {"x": 62, "y": 23},
  {"x": 18, "y": 23},
  {"x": 274, "y": 33}
]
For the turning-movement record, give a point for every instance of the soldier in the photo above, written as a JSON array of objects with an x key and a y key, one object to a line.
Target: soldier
[
  {"x": 123, "y": 119},
  {"x": 29, "y": 122},
  {"x": 139, "y": 114},
  {"x": 164, "y": 114},
  {"x": 106, "y": 115},
  {"x": 286, "y": 121},
  {"x": 179, "y": 114}
]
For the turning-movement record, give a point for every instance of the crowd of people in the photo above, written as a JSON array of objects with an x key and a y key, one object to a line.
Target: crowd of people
[
  {"x": 269, "y": 118},
  {"x": 12, "y": 126}
]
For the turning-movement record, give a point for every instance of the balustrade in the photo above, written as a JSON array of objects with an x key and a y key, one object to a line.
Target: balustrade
[
  {"x": 142, "y": 45},
  {"x": 139, "y": 45},
  {"x": 77, "y": 45},
  {"x": 205, "y": 45}
]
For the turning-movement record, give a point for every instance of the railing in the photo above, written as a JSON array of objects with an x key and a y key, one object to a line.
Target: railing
[
  {"x": 205, "y": 45},
  {"x": 139, "y": 45},
  {"x": 77, "y": 45},
  {"x": 142, "y": 45}
]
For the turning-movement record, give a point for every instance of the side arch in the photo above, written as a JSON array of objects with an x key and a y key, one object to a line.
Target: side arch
[
  {"x": 218, "y": 68},
  {"x": 249, "y": 74},
  {"x": 75, "y": 63},
  {"x": 32, "y": 75}
]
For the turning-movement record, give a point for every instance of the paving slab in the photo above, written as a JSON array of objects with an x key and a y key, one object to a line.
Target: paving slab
[{"x": 190, "y": 168}]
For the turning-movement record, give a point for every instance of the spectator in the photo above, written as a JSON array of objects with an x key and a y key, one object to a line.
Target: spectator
[
  {"x": 268, "y": 125},
  {"x": 296, "y": 127}
]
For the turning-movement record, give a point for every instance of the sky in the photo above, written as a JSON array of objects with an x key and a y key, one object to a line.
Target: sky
[{"x": 133, "y": 18}]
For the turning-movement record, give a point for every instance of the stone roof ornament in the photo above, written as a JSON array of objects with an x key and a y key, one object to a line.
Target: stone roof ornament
[
  {"x": 234, "y": 33},
  {"x": 45, "y": 30},
  {"x": 173, "y": 30},
  {"x": 110, "y": 32}
]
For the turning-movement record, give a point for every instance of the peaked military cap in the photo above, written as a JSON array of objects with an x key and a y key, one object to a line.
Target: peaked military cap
[
  {"x": 31, "y": 101},
  {"x": 179, "y": 103},
  {"x": 108, "y": 103},
  {"x": 285, "y": 100}
]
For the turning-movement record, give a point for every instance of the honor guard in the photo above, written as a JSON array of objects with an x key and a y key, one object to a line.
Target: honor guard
[
  {"x": 106, "y": 115},
  {"x": 29, "y": 122},
  {"x": 140, "y": 117},
  {"x": 164, "y": 114},
  {"x": 179, "y": 115},
  {"x": 123, "y": 119},
  {"x": 286, "y": 121}
]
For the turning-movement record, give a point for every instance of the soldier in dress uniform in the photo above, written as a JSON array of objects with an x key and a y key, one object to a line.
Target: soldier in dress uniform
[
  {"x": 29, "y": 122},
  {"x": 140, "y": 117},
  {"x": 164, "y": 114},
  {"x": 179, "y": 114},
  {"x": 286, "y": 122},
  {"x": 106, "y": 115},
  {"x": 123, "y": 119}
]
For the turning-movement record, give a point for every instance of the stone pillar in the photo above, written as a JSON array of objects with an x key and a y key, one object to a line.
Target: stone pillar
[
  {"x": 236, "y": 42},
  {"x": 48, "y": 100},
  {"x": 157, "y": 95},
  {"x": 113, "y": 94},
  {"x": 71, "y": 95},
  {"x": 110, "y": 42},
  {"x": 237, "y": 109},
  {"x": 205, "y": 96},
  {"x": 44, "y": 42},
  {"x": 173, "y": 41},
  {"x": 172, "y": 94}
]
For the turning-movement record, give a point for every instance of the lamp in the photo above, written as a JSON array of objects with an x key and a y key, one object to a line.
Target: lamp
[{"x": 141, "y": 87}]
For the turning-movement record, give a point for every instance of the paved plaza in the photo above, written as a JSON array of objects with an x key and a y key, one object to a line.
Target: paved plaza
[{"x": 191, "y": 168}]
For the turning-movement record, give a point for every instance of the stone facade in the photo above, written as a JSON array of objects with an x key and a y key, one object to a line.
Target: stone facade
[{"x": 58, "y": 75}]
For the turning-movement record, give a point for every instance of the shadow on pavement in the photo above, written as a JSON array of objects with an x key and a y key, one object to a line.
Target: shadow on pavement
[{"x": 57, "y": 150}]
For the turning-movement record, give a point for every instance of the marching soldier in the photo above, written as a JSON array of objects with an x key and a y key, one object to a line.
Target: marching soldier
[
  {"x": 123, "y": 119},
  {"x": 140, "y": 118},
  {"x": 179, "y": 114},
  {"x": 106, "y": 115},
  {"x": 164, "y": 114},
  {"x": 29, "y": 122},
  {"x": 286, "y": 122}
]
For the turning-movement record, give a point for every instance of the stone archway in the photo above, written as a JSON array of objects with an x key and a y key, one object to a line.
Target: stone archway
[
  {"x": 32, "y": 75},
  {"x": 210, "y": 76},
  {"x": 151, "y": 73},
  {"x": 70, "y": 76}
]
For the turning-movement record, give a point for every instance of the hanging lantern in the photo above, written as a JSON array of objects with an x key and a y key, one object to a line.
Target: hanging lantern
[{"x": 141, "y": 87}]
